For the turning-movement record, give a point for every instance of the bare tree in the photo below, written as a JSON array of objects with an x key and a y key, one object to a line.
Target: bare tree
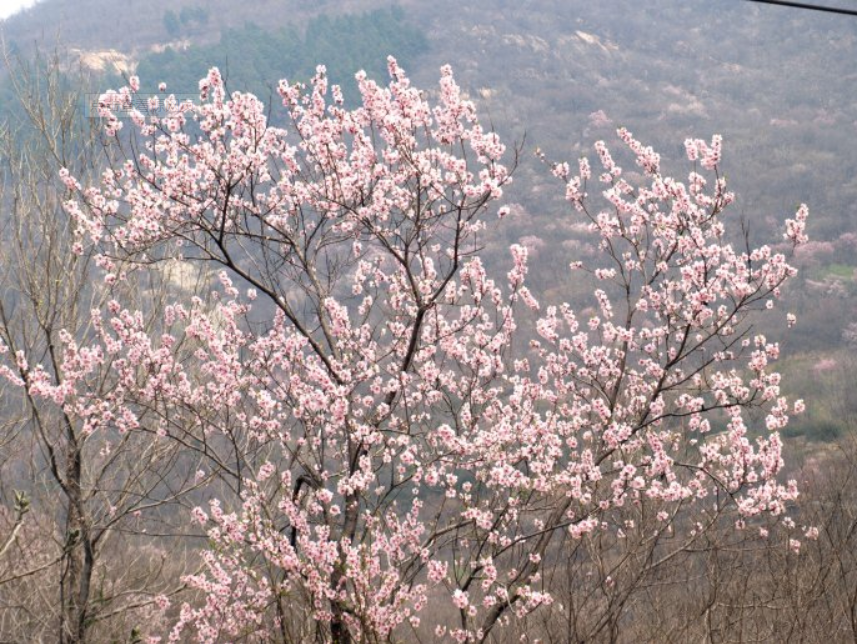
[{"x": 94, "y": 543}]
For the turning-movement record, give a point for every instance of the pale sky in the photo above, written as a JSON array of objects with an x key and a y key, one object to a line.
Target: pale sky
[{"x": 8, "y": 7}]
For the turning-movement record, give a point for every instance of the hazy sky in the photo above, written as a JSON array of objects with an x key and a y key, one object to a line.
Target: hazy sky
[{"x": 8, "y": 7}]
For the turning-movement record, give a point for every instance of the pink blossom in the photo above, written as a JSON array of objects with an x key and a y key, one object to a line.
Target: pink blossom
[{"x": 396, "y": 412}]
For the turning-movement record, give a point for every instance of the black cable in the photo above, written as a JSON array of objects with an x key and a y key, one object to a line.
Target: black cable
[{"x": 803, "y": 5}]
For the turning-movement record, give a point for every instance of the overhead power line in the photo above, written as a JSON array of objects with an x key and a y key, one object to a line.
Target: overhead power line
[{"x": 814, "y": 7}]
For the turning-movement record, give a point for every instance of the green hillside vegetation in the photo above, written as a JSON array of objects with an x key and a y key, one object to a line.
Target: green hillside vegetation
[{"x": 254, "y": 59}]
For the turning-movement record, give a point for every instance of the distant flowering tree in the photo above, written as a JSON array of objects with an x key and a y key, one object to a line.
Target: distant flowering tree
[{"x": 397, "y": 454}]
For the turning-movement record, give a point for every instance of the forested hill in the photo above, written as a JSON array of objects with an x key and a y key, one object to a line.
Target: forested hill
[
  {"x": 251, "y": 57},
  {"x": 136, "y": 26},
  {"x": 254, "y": 59},
  {"x": 779, "y": 85}
]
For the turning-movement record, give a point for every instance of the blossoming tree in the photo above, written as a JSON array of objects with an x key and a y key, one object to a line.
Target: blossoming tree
[{"x": 361, "y": 382}]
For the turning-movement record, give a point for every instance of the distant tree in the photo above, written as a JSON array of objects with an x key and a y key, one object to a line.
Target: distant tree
[
  {"x": 194, "y": 14},
  {"x": 172, "y": 23},
  {"x": 399, "y": 458}
]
